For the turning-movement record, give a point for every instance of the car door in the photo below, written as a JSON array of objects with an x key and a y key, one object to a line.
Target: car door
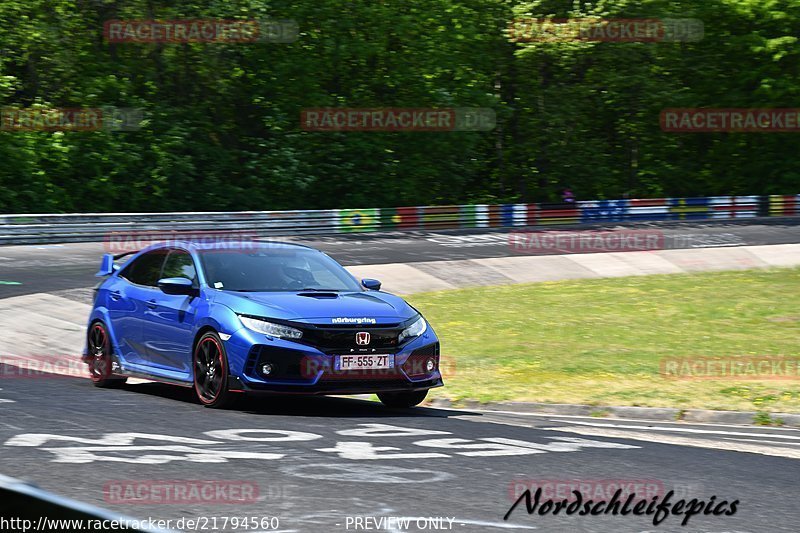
[
  {"x": 169, "y": 319},
  {"x": 127, "y": 297}
]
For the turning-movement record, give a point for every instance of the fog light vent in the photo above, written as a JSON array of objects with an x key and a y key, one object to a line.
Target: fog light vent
[{"x": 430, "y": 365}]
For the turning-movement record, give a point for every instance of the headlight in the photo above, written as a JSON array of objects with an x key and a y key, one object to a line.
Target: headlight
[
  {"x": 270, "y": 328},
  {"x": 414, "y": 330}
]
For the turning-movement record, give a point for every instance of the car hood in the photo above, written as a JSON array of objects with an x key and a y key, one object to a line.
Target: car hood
[{"x": 345, "y": 308}]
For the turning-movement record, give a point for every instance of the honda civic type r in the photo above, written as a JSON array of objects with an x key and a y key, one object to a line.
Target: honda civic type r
[{"x": 266, "y": 317}]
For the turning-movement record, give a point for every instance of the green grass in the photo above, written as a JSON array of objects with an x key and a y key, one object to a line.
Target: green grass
[{"x": 599, "y": 342}]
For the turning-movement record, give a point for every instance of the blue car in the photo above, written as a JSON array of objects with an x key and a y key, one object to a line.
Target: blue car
[{"x": 267, "y": 317}]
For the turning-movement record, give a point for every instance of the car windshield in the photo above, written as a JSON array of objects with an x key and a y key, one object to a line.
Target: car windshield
[{"x": 275, "y": 270}]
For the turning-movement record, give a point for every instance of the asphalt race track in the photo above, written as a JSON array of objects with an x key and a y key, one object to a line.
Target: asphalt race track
[
  {"x": 47, "y": 268},
  {"x": 317, "y": 461}
]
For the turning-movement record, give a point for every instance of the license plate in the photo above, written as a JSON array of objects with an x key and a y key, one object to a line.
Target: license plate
[{"x": 364, "y": 362}]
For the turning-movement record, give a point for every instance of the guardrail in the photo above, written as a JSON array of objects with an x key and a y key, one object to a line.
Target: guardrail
[{"x": 52, "y": 228}]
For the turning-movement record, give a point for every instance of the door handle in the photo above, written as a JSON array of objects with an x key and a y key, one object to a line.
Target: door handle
[
  {"x": 115, "y": 295},
  {"x": 151, "y": 304}
]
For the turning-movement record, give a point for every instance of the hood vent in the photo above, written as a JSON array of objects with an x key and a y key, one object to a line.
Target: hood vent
[{"x": 319, "y": 295}]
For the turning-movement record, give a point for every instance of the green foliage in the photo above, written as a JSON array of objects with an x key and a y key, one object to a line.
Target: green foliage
[{"x": 222, "y": 128}]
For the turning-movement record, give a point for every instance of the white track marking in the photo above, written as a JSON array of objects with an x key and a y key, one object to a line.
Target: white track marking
[
  {"x": 779, "y": 443},
  {"x": 160, "y": 455},
  {"x": 656, "y": 438},
  {"x": 501, "y": 446},
  {"x": 481, "y": 413},
  {"x": 357, "y": 451},
  {"x": 365, "y": 473},
  {"x": 479, "y": 449},
  {"x": 386, "y": 430},
  {"x": 273, "y": 435},
  {"x": 109, "y": 439},
  {"x": 688, "y": 430}
]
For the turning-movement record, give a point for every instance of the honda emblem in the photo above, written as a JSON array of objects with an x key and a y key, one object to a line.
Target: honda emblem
[{"x": 362, "y": 338}]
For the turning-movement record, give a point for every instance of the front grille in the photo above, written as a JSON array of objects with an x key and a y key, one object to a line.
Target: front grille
[{"x": 343, "y": 340}]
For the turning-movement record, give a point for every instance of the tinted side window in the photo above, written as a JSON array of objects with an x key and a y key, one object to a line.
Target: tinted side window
[
  {"x": 145, "y": 270},
  {"x": 180, "y": 265}
]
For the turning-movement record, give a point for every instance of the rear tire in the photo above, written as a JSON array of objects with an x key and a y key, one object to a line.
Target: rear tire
[
  {"x": 402, "y": 400},
  {"x": 99, "y": 358},
  {"x": 210, "y": 364}
]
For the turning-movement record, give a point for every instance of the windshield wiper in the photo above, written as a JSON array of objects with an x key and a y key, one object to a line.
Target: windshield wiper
[
  {"x": 246, "y": 290},
  {"x": 309, "y": 289}
]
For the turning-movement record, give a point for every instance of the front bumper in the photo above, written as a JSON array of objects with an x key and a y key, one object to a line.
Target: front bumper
[
  {"x": 343, "y": 387},
  {"x": 302, "y": 369}
]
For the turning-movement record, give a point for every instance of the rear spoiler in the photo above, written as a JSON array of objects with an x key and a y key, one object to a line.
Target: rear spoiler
[{"x": 108, "y": 265}]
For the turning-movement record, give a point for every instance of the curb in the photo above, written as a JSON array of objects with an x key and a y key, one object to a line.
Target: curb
[{"x": 705, "y": 416}]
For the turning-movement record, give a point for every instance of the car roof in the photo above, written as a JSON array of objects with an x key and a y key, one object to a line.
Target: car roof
[{"x": 227, "y": 244}]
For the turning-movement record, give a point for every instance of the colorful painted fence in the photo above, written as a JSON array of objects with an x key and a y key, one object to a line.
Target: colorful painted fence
[
  {"x": 83, "y": 227},
  {"x": 583, "y": 212}
]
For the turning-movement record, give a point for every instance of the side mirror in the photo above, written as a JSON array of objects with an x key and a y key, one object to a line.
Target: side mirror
[
  {"x": 176, "y": 286},
  {"x": 371, "y": 284}
]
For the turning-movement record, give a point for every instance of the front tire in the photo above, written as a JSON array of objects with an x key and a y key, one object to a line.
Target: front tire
[
  {"x": 402, "y": 400},
  {"x": 210, "y": 365},
  {"x": 99, "y": 358}
]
